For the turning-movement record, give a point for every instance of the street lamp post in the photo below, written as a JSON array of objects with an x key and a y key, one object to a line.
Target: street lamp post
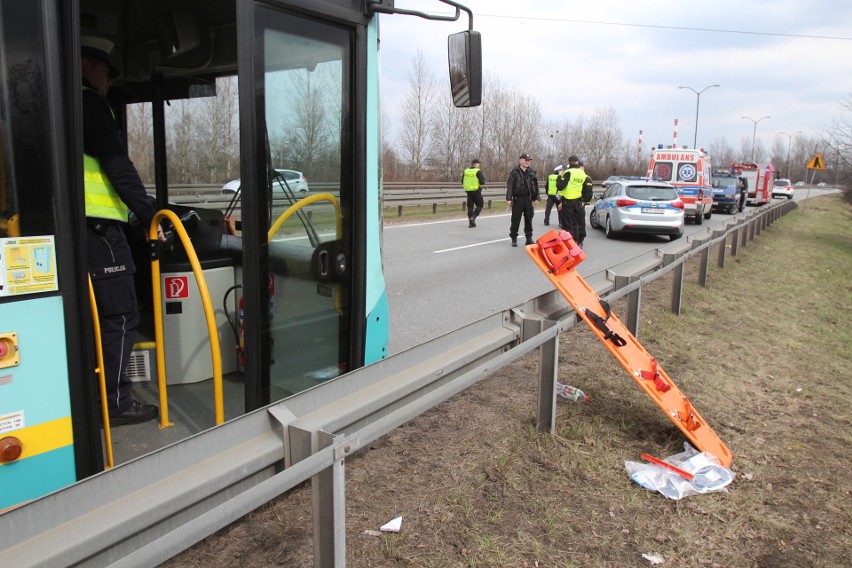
[
  {"x": 789, "y": 144},
  {"x": 697, "y": 102},
  {"x": 754, "y": 132}
]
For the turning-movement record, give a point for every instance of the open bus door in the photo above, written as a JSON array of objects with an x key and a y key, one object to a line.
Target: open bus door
[{"x": 210, "y": 90}]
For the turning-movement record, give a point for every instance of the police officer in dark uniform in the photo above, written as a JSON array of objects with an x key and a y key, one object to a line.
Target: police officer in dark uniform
[
  {"x": 521, "y": 194},
  {"x": 575, "y": 190},
  {"x": 473, "y": 181},
  {"x": 552, "y": 199},
  {"x": 113, "y": 188}
]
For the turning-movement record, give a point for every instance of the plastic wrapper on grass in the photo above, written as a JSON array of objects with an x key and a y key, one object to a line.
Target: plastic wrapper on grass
[{"x": 709, "y": 475}]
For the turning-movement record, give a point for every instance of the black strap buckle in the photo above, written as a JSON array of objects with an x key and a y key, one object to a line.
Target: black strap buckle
[{"x": 600, "y": 323}]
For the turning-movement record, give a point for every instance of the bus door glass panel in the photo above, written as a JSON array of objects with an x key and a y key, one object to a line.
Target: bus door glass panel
[
  {"x": 38, "y": 398},
  {"x": 26, "y": 191},
  {"x": 307, "y": 92}
]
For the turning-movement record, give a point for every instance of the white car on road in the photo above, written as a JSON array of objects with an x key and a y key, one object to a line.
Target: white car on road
[
  {"x": 296, "y": 181},
  {"x": 782, "y": 188}
]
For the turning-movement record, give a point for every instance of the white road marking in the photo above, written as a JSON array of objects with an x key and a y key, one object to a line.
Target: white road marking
[
  {"x": 403, "y": 224},
  {"x": 469, "y": 246}
]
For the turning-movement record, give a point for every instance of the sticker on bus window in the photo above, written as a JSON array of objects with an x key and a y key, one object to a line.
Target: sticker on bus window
[{"x": 27, "y": 265}]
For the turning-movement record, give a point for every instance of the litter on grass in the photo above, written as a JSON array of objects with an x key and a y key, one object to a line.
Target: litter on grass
[
  {"x": 709, "y": 475},
  {"x": 392, "y": 526}
]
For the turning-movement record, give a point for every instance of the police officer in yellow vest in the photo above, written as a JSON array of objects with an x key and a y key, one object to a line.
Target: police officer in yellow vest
[
  {"x": 575, "y": 189},
  {"x": 112, "y": 189},
  {"x": 473, "y": 182},
  {"x": 551, "y": 193}
]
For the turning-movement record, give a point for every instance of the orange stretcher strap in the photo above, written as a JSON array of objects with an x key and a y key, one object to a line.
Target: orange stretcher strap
[
  {"x": 654, "y": 375},
  {"x": 556, "y": 254}
]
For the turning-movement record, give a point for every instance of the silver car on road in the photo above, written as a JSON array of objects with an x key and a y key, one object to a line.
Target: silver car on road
[{"x": 639, "y": 207}]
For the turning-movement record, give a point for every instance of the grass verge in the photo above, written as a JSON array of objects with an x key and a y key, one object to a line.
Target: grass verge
[{"x": 763, "y": 352}]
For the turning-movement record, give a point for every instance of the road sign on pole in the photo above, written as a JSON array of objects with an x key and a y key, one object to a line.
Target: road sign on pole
[{"x": 816, "y": 163}]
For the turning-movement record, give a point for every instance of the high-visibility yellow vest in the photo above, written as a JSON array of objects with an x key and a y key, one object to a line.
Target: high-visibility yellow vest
[
  {"x": 551, "y": 184},
  {"x": 101, "y": 199},
  {"x": 574, "y": 189},
  {"x": 471, "y": 180}
]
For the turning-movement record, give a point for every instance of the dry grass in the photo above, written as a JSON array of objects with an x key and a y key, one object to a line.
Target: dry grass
[{"x": 764, "y": 355}]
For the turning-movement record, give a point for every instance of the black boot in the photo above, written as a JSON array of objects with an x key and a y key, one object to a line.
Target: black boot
[
  {"x": 470, "y": 223},
  {"x": 514, "y": 242},
  {"x": 136, "y": 413},
  {"x": 529, "y": 241}
]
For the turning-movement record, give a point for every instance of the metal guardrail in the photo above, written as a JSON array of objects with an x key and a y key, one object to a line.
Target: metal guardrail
[
  {"x": 147, "y": 510},
  {"x": 396, "y": 195},
  {"x": 400, "y": 196}
]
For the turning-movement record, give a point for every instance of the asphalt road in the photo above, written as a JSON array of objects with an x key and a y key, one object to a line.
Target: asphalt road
[{"x": 442, "y": 275}]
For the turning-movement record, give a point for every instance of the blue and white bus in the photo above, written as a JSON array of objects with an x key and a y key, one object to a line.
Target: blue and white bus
[{"x": 209, "y": 91}]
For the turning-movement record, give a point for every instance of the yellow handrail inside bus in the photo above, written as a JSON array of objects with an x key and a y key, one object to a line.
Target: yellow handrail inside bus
[
  {"x": 338, "y": 224},
  {"x": 99, "y": 352},
  {"x": 307, "y": 201},
  {"x": 215, "y": 350},
  {"x": 10, "y": 226}
]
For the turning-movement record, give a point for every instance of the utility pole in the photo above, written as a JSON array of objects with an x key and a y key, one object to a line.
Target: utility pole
[
  {"x": 754, "y": 133},
  {"x": 789, "y": 144},
  {"x": 697, "y": 102}
]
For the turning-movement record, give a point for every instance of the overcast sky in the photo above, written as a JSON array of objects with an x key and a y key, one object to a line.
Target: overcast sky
[{"x": 788, "y": 59}]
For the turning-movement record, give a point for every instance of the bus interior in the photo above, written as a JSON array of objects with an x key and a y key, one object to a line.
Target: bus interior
[{"x": 255, "y": 126}]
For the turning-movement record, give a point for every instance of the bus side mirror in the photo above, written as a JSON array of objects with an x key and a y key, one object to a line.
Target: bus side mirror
[{"x": 465, "y": 63}]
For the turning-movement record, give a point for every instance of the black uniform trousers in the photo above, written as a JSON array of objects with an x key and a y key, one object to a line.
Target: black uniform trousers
[
  {"x": 110, "y": 264},
  {"x": 474, "y": 203},
  {"x": 521, "y": 206},
  {"x": 551, "y": 201},
  {"x": 572, "y": 218}
]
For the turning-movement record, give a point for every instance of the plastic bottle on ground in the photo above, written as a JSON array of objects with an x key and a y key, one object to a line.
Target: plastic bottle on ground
[{"x": 572, "y": 393}]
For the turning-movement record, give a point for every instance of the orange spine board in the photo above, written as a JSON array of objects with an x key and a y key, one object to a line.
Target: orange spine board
[{"x": 634, "y": 358}]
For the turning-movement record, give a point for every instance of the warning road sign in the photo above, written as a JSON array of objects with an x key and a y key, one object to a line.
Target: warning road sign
[{"x": 816, "y": 163}]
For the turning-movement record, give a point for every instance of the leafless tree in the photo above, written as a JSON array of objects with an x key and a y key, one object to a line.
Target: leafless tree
[
  {"x": 181, "y": 141},
  {"x": 314, "y": 118},
  {"x": 602, "y": 142},
  {"x": 803, "y": 151},
  {"x": 140, "y": 140},
  {"x": 630, "y": 160},
  {"x": 721, "y": 153},
  {"x": 839, "y": 141},
  {"x": 453, "y": 136},
  {"x": 218, "y": 131},
  {"x": 416, "y": 113},
  {"x": 778, "y": 153},
  {"x": 598, "y": 141},
  {"x": 752, "y": 150},
  {"x": 389, "y": 159},
  {"x": 550, "y": 144},
  {"x": 481, "y": 118},
  {"x": 514, "y": 127}
]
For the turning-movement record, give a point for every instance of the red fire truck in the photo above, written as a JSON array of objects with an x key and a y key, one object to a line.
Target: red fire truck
[{"x": 758, "y": 179}]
